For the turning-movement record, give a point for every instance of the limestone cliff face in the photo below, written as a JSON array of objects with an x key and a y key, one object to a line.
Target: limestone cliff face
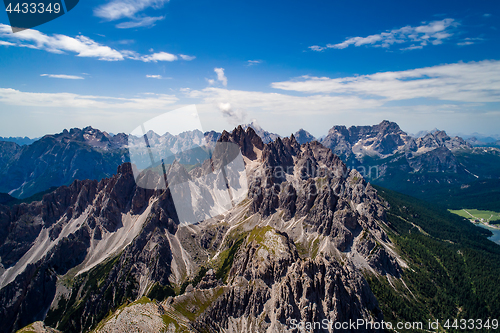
[
  {"x": 270, "y": 285},
  {"x": 295, "y": 249}
]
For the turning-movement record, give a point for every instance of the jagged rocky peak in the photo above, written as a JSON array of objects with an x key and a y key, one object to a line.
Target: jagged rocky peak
[
  {"x": 310, "y": 183},
  {"x": 385, "y": 127},
  {"x": 436, "y": 139},
  {"x": 211, "y": 137},
  {"x": 280, "y": 152},
  {"x": 74, "y": 228},
  {"x": 380, "y": 140},
  {"x": 90, "y": 136},
  {"x": 264, "y": 135},
  {"x": 303, "y": 136},
  {"x": 248, "y": 141}
]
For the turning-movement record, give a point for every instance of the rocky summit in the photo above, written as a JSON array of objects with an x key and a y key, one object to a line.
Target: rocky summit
[{"x": 110, "y": 256}]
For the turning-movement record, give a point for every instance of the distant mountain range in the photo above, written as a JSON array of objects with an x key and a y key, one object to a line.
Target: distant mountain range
[
  {"x": 433, "y": 165},
  {"x": 58, "y": 159},
  {"x": 430, "y": 167},
  {"x": 19, "y": 140},
  {"x": 87, "y": 153}
]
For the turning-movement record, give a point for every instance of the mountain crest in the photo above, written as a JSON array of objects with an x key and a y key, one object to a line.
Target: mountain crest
[{"x": 246, "y": 140}]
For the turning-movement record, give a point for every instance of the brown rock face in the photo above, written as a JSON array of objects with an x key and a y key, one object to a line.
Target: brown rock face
[{"x": 245, "y": 140}]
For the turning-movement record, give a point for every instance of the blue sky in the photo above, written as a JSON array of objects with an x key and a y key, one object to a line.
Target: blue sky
[{"x": 115, "y": 64}]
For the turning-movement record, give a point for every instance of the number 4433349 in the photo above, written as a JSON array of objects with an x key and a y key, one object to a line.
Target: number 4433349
[{"x": 32, "y": 8}]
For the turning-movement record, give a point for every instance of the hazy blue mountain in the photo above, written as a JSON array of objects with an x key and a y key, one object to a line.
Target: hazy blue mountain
[
  {"x": 429, "y": 167},
  {"x": 303, "y": 136},
  {"x": 19, "y": 140}
]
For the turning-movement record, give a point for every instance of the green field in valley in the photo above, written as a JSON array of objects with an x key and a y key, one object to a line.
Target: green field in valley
[{"x": 481, "y": 215}]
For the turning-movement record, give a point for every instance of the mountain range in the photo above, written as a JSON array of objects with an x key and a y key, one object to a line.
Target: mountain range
[
  {"x": 88, "y": 248},
  {"x": 21, "y": 141},
  {"x": 312, "y": 241},
  {"x": 433, "y": 167}
]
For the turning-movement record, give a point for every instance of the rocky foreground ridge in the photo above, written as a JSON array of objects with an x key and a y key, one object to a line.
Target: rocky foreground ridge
[{"x": 111, "y": 257}]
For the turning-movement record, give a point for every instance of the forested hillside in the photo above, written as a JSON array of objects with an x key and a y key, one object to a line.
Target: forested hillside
[{"x": 454, "y": 271}]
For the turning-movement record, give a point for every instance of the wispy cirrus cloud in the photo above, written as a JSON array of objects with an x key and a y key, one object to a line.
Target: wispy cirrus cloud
[
  {"x": 81, "y": 46},
  {"x": 473, "y": 82},
  {"x": 470, "y": 41},
  {"x": 69, "y": 100},
  {"x": 187, "y": 57},
  {"x": 159, "y": 56},
  {"x": 428, "y": 33},
  {"x": 146, "y": 21},
  {"x": 253, "y": 62},
  {"x": 459, "y": 86},
  {"x": 63, "y": 76},
  {"x": 130, "y": 9}
]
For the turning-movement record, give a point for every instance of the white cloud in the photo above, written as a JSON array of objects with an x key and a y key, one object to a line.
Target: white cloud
[
  {"x": 282, "y": 104},
  {"x": 459, "y": 82},
  {"x": 130, "y": 9},
  {"x": 234, "y": 116},
  {"x": 447, "y": 96},
  {"x": 460, "y": 87},
  {"x": 160, "y": 56},
  {"x": 317, "y": 48},
  {"x": 253, "y": 62},
  {"x": 147, "y": 21},
  {"x": 220, "y": 76},
  {"x": 470, "y": 41},
  {"x": 412, "y": 47},
  {"x": 69, "y": 100},
  {"x": 80, "y": 45},
  {"x": 154, "y": 76},
  {"x": 187, "y": 57},
  {"x": 63, "y": 76},
  {"x": 119, "y": 9},
  {"x": 431, "y": 33}
]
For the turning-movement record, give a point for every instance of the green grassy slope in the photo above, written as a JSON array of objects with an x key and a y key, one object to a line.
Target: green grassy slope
[{"x": 486, "y": 215}]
